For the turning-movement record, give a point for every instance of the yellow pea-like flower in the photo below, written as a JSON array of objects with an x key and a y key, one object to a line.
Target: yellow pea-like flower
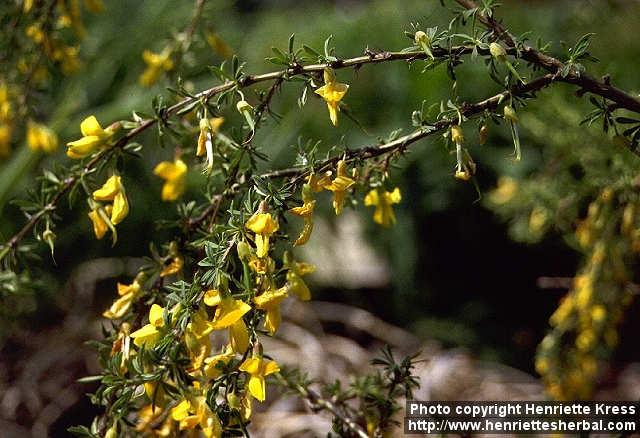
[
  {"x": 94, "y": 137},
  {"x": 295, "y": 283},
  {"x": 270, "y": 301},
  {"x": 41, "y": 138},
  {"x": 175, "y": 175},
  {"x": 113, "y": 190},
  {"x": 101, "y": 222},
  {"x": 149, "y": 334},
  {"x": 306, "y": 212},
  {"x": 332, "y": 92},
  {"x": 208, "y": 128},
  {"x": 383, "y": 202},
  {"x": 156, "y": 64},
  {"x": 258, "y": 369},
  {"x": 128, "y": 293},
  {"x": 263, "y": 225},
  {"x": 339, "y": 186}
]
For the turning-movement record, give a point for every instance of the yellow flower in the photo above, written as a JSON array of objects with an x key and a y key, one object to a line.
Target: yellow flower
[
  {"x": 175, "y": 175},
  {"x": 101, "y": 223},
  {"x": 318, "y": 183},
  {"x": 306, "y": 212},
  {"x": 339, "y": 186},
  {"x": 208, "y": 128},
  {"x": 270, "y": 301},
  {"x": 174, "y": 267},
  {"x": 383, "y": 202},
  {"x": 113, "y": 190},
  {"x": 93, "y": 138},
  {"x": 195, "y": 412},
  {"x": 229, "y": 312},
  {"x": 264, "y": 226},
  {"x": 505, "y": 191},
  {"x": 213, "y": 363},
  {"x": 41, "y": 138},
  {"x": 258, "y": 369},
  {"x": 262, "y": 265},
  {"x": 148, "y": 335},
  {"x": 295, "y": 283},
  {"x": 127, "y": 294},
  {"x": 332, "y": 92},
  {"x": 69, "y": 60},
  {"x": 196, "y": 338},
  {"x": 156, "y": 63},
  {"x": 229, "y": 315}
]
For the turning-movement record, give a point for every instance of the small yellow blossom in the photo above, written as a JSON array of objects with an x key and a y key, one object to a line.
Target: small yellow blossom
[
  {"x": 258, "y": 369},
  {"x": 175, "y": 266},
  {"x": 194, "y": 412},
  {"x": 306, "y": 212},
  {"x": 149, "y": 334},
  {"x": 317, "y": 183},
  {"x": 332, "y": 92},
  {"x": 228, "y": 312},
  {"x": 270, "y": 301},
  {"x": 175, "y": 175},
  {"x": 383, "y": 202},
  {"x": 34, "y": 31},
  {"x": 339, "y": 186},
  {"x": 27, "y": 5},
  {"x": 41, "y": 138},
  {"x": 196, "y": 338},
  {"x": 537, "y": 220},
  {"x": 208, "y": 128},
  {"x": 505, "y": 191},
  {"x": 113, "y": 190},
  {"x": 263, "y": 225},
  {"x": 101, "y": 223},
  {"x": 127, "y": 293},
  {"x": 156, "y": 64},
  {"x": 295, "y": 283},
  {"x": 218, "y": 45},
  {"x": 93, "y": 138},
  {"x": 68, "y": 58},
  {"x": 465, "y": 167},
  {"x": 229, "y": 315},
  {"x": 262, "y": 265}
]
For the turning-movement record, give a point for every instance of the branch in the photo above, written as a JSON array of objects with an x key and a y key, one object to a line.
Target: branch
[
  {"x": 555, "y": 66},
  {"x": 297, "y": 174}
]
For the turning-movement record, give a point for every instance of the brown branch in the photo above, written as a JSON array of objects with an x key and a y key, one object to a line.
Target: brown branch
[
  {"x": 555, "y": 66},
  {"x": 468, "y": 110}
]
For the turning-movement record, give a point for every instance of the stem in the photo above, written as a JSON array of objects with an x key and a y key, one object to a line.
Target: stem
[{"x": 553, "y": 65}]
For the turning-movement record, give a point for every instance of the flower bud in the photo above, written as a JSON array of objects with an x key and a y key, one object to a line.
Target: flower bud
[
  {"x": 462, "y": 175},
  {"x": 112, "y": 432},
  {"x": 456, "y": 134},
  {"x": 484, "y": 134},
  {"x": 497, "y": 51},
  {"x": 244, "y": 250},
  {"x": 243, "y": 106},
  {"x": 510, "y": 114},
  {"x": 421, "y": 38},
  {"x": 234, "y": 401}
]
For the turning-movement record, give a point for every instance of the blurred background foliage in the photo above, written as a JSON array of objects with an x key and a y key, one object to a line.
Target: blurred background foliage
[{"x": 457, "y": 272}]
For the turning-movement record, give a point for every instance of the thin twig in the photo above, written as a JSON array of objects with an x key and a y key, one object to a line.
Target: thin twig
[{"x": 553, "y": 65}]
